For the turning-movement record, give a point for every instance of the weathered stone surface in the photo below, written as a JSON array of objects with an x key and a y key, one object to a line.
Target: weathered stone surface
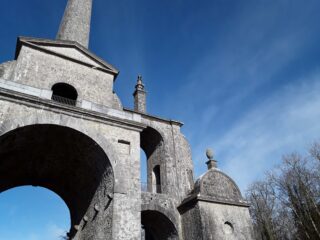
[
  {"x": 159, "y": 215},
  {"x": 191, "y": 222},
  {"x": 42, "y": 70},
  {"x": 139, "y": 94},
  {"x": 75, "y": 24},
  {"x": 216, "y": 184},
  {"x": 74, "y": 54},
  {"x": 220, "y": 221},
  {"x": 6, "y": 69}
]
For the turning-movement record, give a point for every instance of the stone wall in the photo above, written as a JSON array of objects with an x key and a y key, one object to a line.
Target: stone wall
[
  {"x": 191, "y": 222},
  {"x": 42, "y": 70},
  {"x": 174, "y": 158},
  {"x": 221, "y": 221},
  {"x": 6, "y": 69}
]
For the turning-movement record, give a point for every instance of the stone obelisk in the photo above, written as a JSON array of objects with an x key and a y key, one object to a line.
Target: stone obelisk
[{"x": 75, "y": 24}]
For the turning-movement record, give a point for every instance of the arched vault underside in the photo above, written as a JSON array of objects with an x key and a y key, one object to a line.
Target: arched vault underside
[
  {"x": 67, "y": 162},
  {"x": 157, "y": 226}
]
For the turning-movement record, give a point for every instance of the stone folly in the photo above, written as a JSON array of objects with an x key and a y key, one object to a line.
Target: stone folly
[{"x": 63, "y": 127}]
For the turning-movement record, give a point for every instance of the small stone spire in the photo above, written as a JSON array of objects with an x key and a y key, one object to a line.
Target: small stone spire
[
  {"x": 75, "y": 24},
  {"x": 211, "y": 163},
  {"x": 139, "y": 96}
]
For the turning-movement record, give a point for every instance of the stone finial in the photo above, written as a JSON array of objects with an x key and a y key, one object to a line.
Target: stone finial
[
  {"x": 75, "y": 24},
  {"x": 139, "y": 85},
  {"x": 210, "y": 154},
  {"x": 211, "y": 163},
  {"x": 139, "y": 96}
]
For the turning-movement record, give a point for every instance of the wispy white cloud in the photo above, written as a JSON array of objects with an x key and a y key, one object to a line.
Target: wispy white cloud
[
  {"x": 286, "y": 121},
  {"x": 246, "y": 58},
  {"x": 55, "y": 232},
  {"x": 249, "y": 131}
]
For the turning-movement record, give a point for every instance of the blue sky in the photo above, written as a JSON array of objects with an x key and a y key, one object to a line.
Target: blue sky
[
  {"x": 29, "y": 213},
  {"x": 244, "y": 76}
]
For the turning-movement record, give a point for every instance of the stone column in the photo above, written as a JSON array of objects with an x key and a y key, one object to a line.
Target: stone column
[
  {"x": 140, "y": 97},
  {"x": 75, "y": 24}
]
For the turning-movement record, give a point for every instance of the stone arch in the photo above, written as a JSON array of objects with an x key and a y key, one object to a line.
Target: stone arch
[
  {"x": 150, "y": 140},
  {"x": 39, "y": 116},
  {"x": 156, "y": 206},
  {"x": 152, "y": 143},
  {"x": 66, "y": 161},
  {"x": 157, "y": 226}
]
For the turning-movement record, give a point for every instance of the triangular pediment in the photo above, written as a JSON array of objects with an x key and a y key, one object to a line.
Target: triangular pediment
[{"x": 67, "y": 49}]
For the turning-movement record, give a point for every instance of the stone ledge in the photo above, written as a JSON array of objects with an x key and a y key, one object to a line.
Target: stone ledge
[
  {"x": 153, "y": 117},
  {"x": 37, "y": 42},
  {"x": 46, "y": 104},
  {"x": 88, "y": 105},
  {"x": 194, "y": 198}
]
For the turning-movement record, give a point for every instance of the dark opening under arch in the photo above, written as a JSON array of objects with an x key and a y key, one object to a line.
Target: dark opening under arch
[
  {"x": 64, "y": 93},
  {"x": 152, "y": 144},
  {"x": 156, "y": 226},
  {"x": 67, "y": 162}
]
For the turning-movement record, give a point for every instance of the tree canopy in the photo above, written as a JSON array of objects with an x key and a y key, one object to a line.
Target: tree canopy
[{"x": 286, "y": 203}]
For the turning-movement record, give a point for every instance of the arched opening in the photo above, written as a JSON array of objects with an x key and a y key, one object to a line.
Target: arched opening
[
  {"x": 156, "y": 179},
  {"x": 33, "y": 213},
  {"x": 64, "y": 93},
  {"x": 157, "y": 226},
  {"x": 152, "y": 144},
  {"x": 68, "y": 163}
]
